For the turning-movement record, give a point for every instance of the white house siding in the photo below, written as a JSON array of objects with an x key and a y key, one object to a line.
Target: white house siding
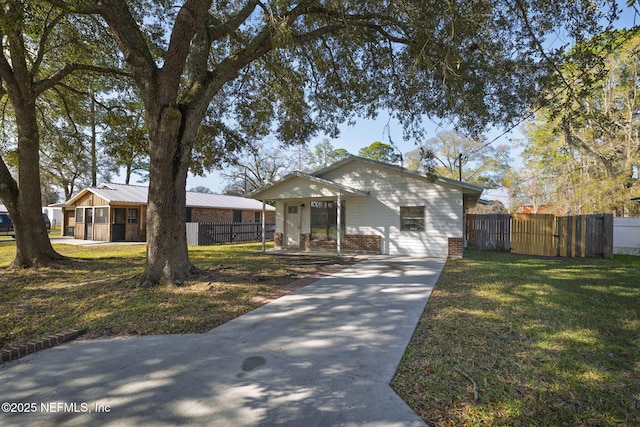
[
  {"x": 297, "y": 188},
  {"x": 389, "y": 190}
]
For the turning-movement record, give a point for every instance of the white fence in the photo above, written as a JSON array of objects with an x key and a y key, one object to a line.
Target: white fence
[{"x": 626, "y": 236}]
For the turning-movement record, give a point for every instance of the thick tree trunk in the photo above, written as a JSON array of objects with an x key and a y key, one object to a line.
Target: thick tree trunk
[
  {"x": 167, "y": 254},
  {"x": 33, "y": 246}
]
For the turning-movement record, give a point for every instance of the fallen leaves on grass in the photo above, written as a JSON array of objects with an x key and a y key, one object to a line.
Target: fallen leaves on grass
[
  {"x": 518, "y": 341},
  {"x": 95, "y": 290}
]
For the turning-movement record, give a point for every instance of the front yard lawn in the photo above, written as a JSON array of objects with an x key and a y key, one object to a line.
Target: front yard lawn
[
  {"x": 518, "y": 341},
  {"x": 95, "y": 291}
]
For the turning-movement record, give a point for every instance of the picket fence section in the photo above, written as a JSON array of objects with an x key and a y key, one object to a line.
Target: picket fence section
[
  {"x": 204, "y": 234},
  {"x": 544, "y": 235}
]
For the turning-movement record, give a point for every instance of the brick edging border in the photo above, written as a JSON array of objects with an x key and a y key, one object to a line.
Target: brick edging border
[{"x": 21, "y": 350}]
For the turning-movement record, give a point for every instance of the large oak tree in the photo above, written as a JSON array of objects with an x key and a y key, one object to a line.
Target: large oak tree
[
  {"x": 250, "y": 67},
  {"x": 40, "y": 47}
]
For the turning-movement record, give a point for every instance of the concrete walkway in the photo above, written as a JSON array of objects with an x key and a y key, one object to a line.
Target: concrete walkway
[{"x": 321, "y": 356}]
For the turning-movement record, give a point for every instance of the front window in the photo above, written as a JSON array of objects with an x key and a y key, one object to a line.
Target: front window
[
  {"x": 412, "y": 218},
  {"x": 324, "y": 220}
]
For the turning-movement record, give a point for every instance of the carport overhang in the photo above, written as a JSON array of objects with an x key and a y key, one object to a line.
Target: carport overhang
[{"x": 302, "y": 186}]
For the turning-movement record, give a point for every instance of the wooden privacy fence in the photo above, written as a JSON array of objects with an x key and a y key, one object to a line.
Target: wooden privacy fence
[
  {"x": 489, "y": 232},
  {"x": 546, "y": 235},
  {"x": 203, "y": 234}
]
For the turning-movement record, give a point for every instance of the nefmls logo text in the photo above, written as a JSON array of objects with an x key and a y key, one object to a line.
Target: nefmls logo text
[{"x": 73, "y": 407}]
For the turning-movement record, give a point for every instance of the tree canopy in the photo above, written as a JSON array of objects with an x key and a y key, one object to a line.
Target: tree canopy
[
  {"x": 474, "y": 158},
  {"x": 249, "y": 68},
  {"x": 41, "y": 48},
  {"x": 381, "y": 152},
  {"x": 584, "y": 147},
  {"x": 325, "y": 154}
]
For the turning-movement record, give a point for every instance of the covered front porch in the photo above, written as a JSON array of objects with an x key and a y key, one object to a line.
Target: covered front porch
[{"x": 312, "y": 214}]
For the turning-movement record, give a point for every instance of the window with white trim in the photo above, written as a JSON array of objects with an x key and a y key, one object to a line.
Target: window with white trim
[{"x": 412, "y": 218}]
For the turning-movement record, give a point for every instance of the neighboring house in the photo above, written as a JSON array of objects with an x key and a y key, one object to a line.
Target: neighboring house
[
  {"x": 54, "y": 212},
  {"x": 384, "y": 209},
  {"x": 117, "y": 212},
  {"x": 530, "y": 209}
]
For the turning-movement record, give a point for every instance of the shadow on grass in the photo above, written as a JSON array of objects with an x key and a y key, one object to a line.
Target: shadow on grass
[
  {"x": 95, "y": 289},
  {"x": 542, "y": 341}
]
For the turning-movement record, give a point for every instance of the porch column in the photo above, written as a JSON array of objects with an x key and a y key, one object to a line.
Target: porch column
[
  {"x": 264, "y": 227},
  {"x": 339, "y": 221}
]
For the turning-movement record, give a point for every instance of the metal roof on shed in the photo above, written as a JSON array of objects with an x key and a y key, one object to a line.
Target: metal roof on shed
[{"x": 121, "y": 193}]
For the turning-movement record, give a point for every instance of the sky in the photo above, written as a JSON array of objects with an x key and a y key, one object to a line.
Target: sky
[{"x": 366, "y": 131}]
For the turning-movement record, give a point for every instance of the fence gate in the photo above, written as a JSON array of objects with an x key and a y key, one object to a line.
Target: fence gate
[
  {"x": 546, "y": 235},
  {"x": 489, "y": 232},
  {"x": 533, "y": 235}
]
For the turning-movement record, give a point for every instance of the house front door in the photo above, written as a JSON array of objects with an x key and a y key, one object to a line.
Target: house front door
[{"x": 292, "y": 226}]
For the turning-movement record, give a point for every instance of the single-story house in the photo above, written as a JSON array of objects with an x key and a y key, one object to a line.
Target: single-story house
[
  {"x": 377, "y": 207},
  {"x": 117, "y": 212}
]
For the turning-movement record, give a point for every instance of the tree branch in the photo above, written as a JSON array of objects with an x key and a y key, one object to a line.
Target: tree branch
[
  {"x": 218, "y": 29},
  {"x": 44, "y": 38},
  {"x": 188, "y": 22},
  {"x": 68, "y": 69}
]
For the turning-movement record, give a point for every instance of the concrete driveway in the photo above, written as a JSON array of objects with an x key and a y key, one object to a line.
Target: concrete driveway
[{"x": 321, "y": 356}]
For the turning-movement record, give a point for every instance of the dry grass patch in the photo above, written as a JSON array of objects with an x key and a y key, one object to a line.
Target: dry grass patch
[
  {"x": 95, "y": 290},
  {"x": 519, "y": 341}
]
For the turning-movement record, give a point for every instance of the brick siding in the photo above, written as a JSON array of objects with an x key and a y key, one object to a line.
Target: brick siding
[
  {"x": 226, "y": 215},
  {"x": 277, "y": 239},
  {"x": 456, "y": 247},
  {"x": 351, "y": 242},
  {"x": 367, "y": 243}
]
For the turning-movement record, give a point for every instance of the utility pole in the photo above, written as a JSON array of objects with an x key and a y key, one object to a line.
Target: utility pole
[
  {"x": 94, "y": 161},
  {"x": 460, "y": 167}
]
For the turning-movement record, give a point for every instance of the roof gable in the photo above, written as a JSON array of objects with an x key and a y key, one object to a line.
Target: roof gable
[
  {"x": 301, "y": 185},
  {"x": 464, "y": 186}
]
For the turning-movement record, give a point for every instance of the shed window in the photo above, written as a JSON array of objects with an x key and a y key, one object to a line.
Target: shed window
[
  {"x": 412, "y": 218},
  {"x": 132, "y": 216},
  {"x": 79, "y": 214},
  {"x": 237, "y": 216},
  {"x": 324, "y": 220},
  {"x": 101, "y": 216}
]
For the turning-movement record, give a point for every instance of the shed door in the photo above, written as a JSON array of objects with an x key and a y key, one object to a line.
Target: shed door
[
  {"x": 88, "y": 223},
  {"x": 118, "y": 233},
  {"x": 292, "y": 226}
]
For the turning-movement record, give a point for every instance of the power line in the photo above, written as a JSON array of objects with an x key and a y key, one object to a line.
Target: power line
[{"x": 558, "y": 92}]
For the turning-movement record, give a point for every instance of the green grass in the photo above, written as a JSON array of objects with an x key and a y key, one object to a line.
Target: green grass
[
  {"x": 95, "y": 290},
  {"x": 547, "y": 342}
]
